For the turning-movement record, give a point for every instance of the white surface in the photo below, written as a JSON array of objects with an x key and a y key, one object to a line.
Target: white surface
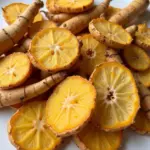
[{"x": 131, "y": 140}]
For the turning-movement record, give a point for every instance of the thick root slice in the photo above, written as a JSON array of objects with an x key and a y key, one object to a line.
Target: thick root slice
[
  {"x": 13, "y": 10},
  {"x": 144, "y": 77},
  {"x": 73, "y": 6},
  {"x": 40, "y": 25},
  {"x": 54, "y": 49},
  {"x": 93, "y": 53},
  {"x": 136, "y": 58},
  {"x": 142, "y": 37},
  {"x": 50, "y": 6},
  {"x": 141, "y": 124},
  {"x": 70, "y": 106},
  {"x": 109, "y": 33},
  {"x": 15, "y": 70},
  {"x": 27, "y": 129},
  {"x": 111, "y": 11},
  {"x": 92, "y": 138},
  {"x": 117, "y": 96}
]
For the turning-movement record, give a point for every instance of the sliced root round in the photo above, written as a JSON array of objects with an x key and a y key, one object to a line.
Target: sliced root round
[
  {"x": 136, "y": 58},
  {"x": 141, "y": 124},
  {"x": 117, "y": 96},
  {"x": 111, "y": 11},
  {"x": 70, "y": 106},
  {"x": 111, "y": 34},
  {"x": 54, "y": 49},
  {"x": 73, "y": 6},
  {"x": 50, "y": 6},
  {"x": 93, "y": 53},
  {"x": 142, "y": 37},
  {"x": 92, "y": 138},
  {"x": 144, "y": 77},
  {"x": 40, "y": 25},
  {"x": 15, "y": 70},
  {"x": 13, "y": 10},
  {"x": 27, "y": 129}
]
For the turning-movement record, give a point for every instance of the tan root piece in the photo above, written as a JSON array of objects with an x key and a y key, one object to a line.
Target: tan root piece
[
  {"x": 144, "y": 91},
  {"x": 132, "y": 29},
  {"x": 80, "y": 22},
  {"x": 12, "y": 34},
  {"x": 128, "y": 14},
  {"x": 59, "y": 18},
  {"x": 18, "y": 95}
]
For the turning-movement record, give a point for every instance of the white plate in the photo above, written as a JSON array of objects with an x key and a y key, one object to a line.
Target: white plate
[{"x": 131, "y": 140}]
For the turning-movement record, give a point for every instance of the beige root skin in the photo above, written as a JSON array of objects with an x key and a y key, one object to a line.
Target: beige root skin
[
  {"x": 80, "y": 22},
  {"x": 23, "y": 45},
  {"x": 128, "y": 14},
  {"x": 18, "y": 95},
  {"x": 132, "y": 30},
  {"x": 13, "y": 33},
  {"x": 58, "y": 18}
]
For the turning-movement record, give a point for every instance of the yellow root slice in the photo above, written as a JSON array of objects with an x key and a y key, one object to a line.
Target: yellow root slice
[
  {"x": 142, "y": 37},
  {"x": 144, "y": 77},
  {"x": 27, "y": 129},
  {"x": 136, "y": 58},
  {"x": 15, "y": 70},
  {"x": 40, "y": 25},
  {"x": 93, "y": 53},
  {"x": 117, "y": 96},
  {"x": 50, "y": 6},
  {"x": 130, "y": 13},
  {"x": 13, "y": 10},
  {"x": 111, "y": 11},
  {"x": 111, "y": 34},
  {"x": 22, "y": 94},
  {"x": 73, "y": 6},
  {"x": 54, "y": 49},
  {"x": 12, "y": 34},
  {"x": 70, "y": 106},
  {"x": 141, "y": 124},
  {"x": 92, "y": 138}
]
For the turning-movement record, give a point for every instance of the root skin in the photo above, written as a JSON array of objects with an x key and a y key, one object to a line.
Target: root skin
[
  {"x": 19, "y": 95},
  {"x": 128, "y": 14},
  {"x": 13, "y": 33},
  {"x": 132, "y": 30},
  {"x": 80, "y": 22}
]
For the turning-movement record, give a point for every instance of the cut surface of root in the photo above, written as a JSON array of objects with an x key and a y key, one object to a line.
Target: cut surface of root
[
  {"x": 141, "y": 124},
  {"x": 27, "y": 129},
  {"x": 73, "y": 6},
  {"x": 109, "y": 33},
  {"x": 54, "y": 49},
  {"x": 144, "y": 77},
  {"x": 117, "y": 96},
  {"x": 15, "y": 70},
  {"x": 13, "y": 10},
  {"x": 136, "y": 58},
  {"x": 142, "y": 37},
  {"x": 111, "y": 11},
  {"x": 40, "y": 25},
  {"x": 93, "y": 53},
  {"x": 70, "y": 106},
  {"x": 92, "y": 138}
]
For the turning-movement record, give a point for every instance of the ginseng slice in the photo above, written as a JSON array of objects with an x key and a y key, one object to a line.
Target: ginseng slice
[
  {"x": 142, "y": 37},
  {"x": 54, "y": 49},
  {"x": 73, "y": 6},
  {"x": 93, "y": 53},
  {"x": 136, "y": 58},
  {"x": 70, "y": 105},
  {"x": 109, "y": 33},
  {"x": 12, "y": 11},
  {"x": 144, "y": 77},
  {"x": 117, "y": 96},
  {"x": 40, "y": 25},
  {"x": 92, "y": 138},
  {"x": 141, "y": 124},
  {"x": 15, "y": 70},
  {"x": 27, "y": 129}
]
